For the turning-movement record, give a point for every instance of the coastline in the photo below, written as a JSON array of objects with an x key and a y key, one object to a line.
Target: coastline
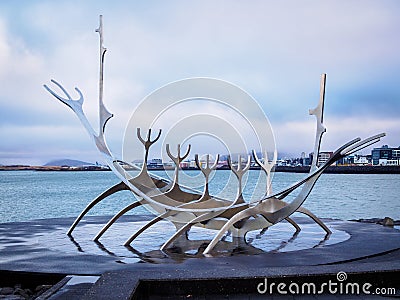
[{"x": 287, "y": 169}]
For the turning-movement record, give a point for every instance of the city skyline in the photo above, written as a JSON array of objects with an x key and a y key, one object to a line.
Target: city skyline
[{"x": 274, "y": 51}]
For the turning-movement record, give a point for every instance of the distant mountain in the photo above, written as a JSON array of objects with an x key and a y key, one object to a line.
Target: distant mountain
[{"x": 68, "y": 162}]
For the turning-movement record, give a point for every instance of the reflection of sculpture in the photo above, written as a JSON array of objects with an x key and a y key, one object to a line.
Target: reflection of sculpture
[{"x": 185, "y": 207}]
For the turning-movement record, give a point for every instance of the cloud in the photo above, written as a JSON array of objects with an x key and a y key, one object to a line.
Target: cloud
[
  {"x": 274, "y": 50},
  {"x": 298, "y": 136}
]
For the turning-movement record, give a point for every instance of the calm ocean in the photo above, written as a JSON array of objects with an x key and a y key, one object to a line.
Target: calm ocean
[{"x": 27, "y": 195}]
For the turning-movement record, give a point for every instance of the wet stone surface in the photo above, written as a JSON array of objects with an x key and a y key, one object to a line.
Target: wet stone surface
[
  {"x": 279, "y": 238},
  {"x": 43, "y": 245}
]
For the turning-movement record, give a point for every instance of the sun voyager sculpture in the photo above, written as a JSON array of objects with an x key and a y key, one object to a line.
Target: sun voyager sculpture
[{"x": 184, "y": 206}]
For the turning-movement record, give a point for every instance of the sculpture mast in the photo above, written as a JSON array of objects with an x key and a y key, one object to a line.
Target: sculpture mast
[
  {"x": 318, "y": 112},
  {"x": 104, "y": 114}
]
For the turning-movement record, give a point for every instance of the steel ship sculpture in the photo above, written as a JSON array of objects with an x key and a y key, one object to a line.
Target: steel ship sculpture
[{"x": 185, "y": 207}]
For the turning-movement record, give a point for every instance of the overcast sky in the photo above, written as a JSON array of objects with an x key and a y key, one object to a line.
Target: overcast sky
[{"x": 275, "y": 50}]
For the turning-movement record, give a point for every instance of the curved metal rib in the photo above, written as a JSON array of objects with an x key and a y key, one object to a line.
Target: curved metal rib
[
  {"x": 137, "y": 233},
  {"x": 293, "y": 223},
  {"x": 141, "y": 178},
  {"x": 116, "y": 188},
  {"x": 239, "y": 216},
  {"x": 115, "y": 218},
  {"x": 315, "y": 218},
  {"x": 182, "y": 230}
]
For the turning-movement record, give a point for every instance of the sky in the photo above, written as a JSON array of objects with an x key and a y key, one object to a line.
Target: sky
[{"x": 274, "y": 50}]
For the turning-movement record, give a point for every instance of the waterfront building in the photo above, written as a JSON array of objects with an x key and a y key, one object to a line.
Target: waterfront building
[
  {"x": 184, "y": 164},
  {"x": 323, "y": 157},
  {"x": 307, "y": 160},
  {"x": 192, "y": 164},
  {"x": 386, "y": 156},
  {"x": 222, "y": 164},
  {"x": 361, "y": 160},
  {"x": 155, "y": 163},
  {"x": 346, "y": 161}
]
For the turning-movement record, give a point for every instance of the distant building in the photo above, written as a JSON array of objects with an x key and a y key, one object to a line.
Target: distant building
[
  {"x": 192, "y": 164},
  {"x": 155, "y": 163},
  {"x": 184, "y": 164},
  {"x": 307, "y": 161},
  {"x": 362, "y": 159},
  {"x": 323, "y": 157},
  {"x": 222, "y": 164},
  {"x": 386, "y": 156},
  {"x": 346, "y": 161}
]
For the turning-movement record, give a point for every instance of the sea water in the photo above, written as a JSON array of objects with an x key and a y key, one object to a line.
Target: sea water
[{"x": 28, "y": 195}]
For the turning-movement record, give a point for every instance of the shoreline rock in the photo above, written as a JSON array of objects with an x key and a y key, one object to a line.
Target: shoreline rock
[
  {"x": 387, "y": 221},
  {"x": 18, "y": 292}
]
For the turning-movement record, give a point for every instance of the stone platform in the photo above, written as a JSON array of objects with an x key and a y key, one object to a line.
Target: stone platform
[{"x": 41, "y": 246}]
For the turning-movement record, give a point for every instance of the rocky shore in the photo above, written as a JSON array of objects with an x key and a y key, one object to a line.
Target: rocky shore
[
  {"x": 385, "y": 222},
  {"x": 19, "y": 292},
  {"x": 26, "y": 285},
  {"x": 53, "y": 168}
]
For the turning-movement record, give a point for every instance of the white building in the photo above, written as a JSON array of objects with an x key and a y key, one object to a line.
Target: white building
[
  {"x": 323, "y": 157},
  {"x": 360, "y": 160}
]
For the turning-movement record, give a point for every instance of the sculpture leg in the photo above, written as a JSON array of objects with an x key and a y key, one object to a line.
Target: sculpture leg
[
  {"x": 264, "y": 228},
  {"x": 182, "y": 230},
  {"x": 116, "y": 188},
  {"x": 137, "y": 233},
  {"x": 315, "y": 218},
  {"x": 239, "y": 216},
  {"x": 293, "y": 223},
  {"x": 115, "y": 218},
  {"x": 149, "y": 224}
]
